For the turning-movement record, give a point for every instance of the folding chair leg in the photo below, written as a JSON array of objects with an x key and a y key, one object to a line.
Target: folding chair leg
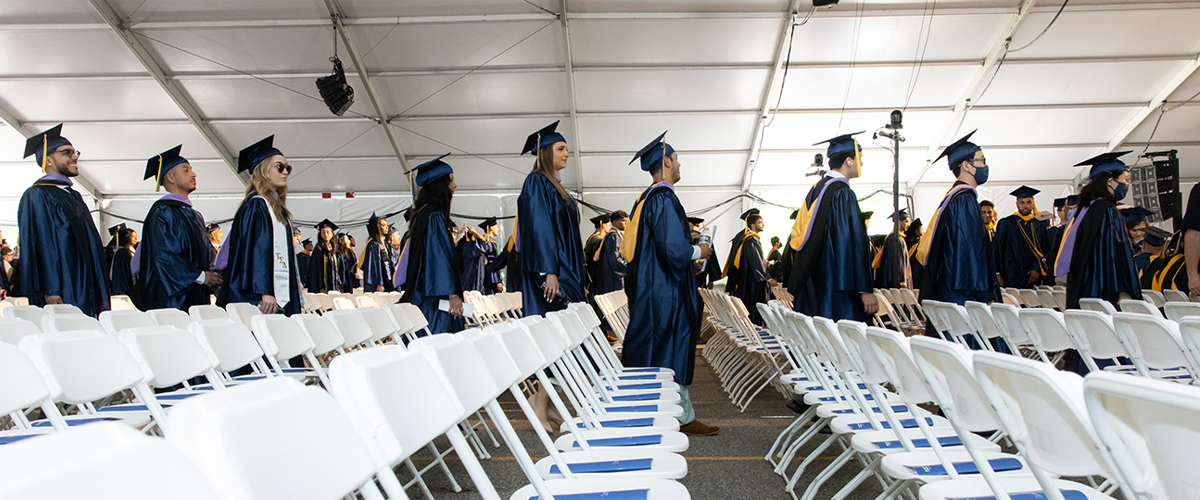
[
  {"x": 858, "y": 479},
  {"x": 439, "y": 459},
  {"x": 791, "y": 486},
  {"x": 483, "y": 421},
  {"x": 412, "y": 468},
  {"x": 781, "y": 442},
  {"x": 811, "y": 492},
  {"x": 474, "y": 469}
]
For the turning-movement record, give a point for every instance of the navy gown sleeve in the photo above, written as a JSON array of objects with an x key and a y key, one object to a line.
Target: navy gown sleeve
[
  {"x": 550, "y": 244},
  {"x": 372, "y": 266},
  {"x": 1008, "y": 255},
  {"x": 122, "y": 272},
  {"x": 539, "y": 240},
  {"x": 852, "y": 271},
  {"x": 473, "y": 264},
  {"x": 173, "y": 254},
  {"x": 249, "y": 273},
  {"x": 438, "y": 276},
  {"x": 61, "y": 251},
  {"x": 42, "y": 224},
  {"x": 612, "y": 265}
]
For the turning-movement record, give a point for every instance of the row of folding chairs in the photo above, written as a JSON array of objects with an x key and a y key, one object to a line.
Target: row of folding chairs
[
  {"x": 614, "y": 308},
  {"x": 1042, "y": 296},
  {"x": 494, "y": 308},
  {"x": 384, "y": 404},
  {"x": 319, "y": 302},
  {"x": 899, "y": 310},
  {"x": 1111, "y": 431},
  {"x": 1160, "y": 299},
  {"x": 746, "y": 358}
]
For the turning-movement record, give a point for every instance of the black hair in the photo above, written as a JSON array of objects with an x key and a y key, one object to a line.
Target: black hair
[
  {"x": 774, "y": 240},
  {"x": 619, "y": 214},
  {"x": 123, "y": 237},
  {"x": 753, "y": 219},
  {"x": 657, "y": 167},
  {"x": 1097, "y": 188},
  {"x": 436, "y": 193},
  {"x": 839, "y": 160},
  {"x": 987, "y": 203}
]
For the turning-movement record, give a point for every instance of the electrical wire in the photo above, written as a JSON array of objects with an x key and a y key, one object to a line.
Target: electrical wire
[
  {"x": 1047, "y": 28},
  {"x": 858, "y": 16},
  {"x": 915, "y": 76}
]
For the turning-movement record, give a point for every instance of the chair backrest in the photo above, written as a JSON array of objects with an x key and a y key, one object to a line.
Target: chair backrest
[
  {"x": 1047, "y": 328},
  {"x": 1098, "y": 305},
  {"x": 1151, "y": 429},
  {"x": 1042, "y": 409},
  {"x": 415, "y": 316},
  {"x": 69, "y": 322},
  {"x": 491, "y": 348},
  {"x": 1030, "y": 298},
  {"x": 324, "y": 335},
  {"x": 121, "y": 303},
  {"x": 284, "y": 334},
  {"x": 230, "y": 341},
  {"x": 400, "y": 317},
  {"x": 365, "y": 301},
  {"x": 1094, "y": 332},
  {"x": 82, "y": 366},
  {"x": 403, "y": 416},
  {"x": 379, "y": 321},
  {"x": 1140, "y": 306},
  {"x": 167, "y": 355},
  {"x": 947, "y": 367},
  {"x": 100, "y": 461},
  {"x": 866, "y": 364},
  {"x": 1046, "y": 297},
  {"x": 53, "y": 309},
  {"x": 115, "y": 321},
  {"x": 1153, "y": 340},
  {"x": 1060, "y": 298},
  {"x": 13, "y": 329},
  {"x": 520, "y": 347},
  {"x": 32, "y": 314},
  {"x": 273, "y": 439},
  {"x": 955, "y": 317},
  {"x": 342, "y": 303},
  {"x": 171, "y": 317},
  {"x": 207, "y": 312},
  {"x": 891, "y": 348},
  {"x": 1175, "y": 296},
  {"x": 1008, "y": 319},
  {"x": 461, "y": 366},
  {"x": 242, "y": 311},
  {"x": 1154, "y": 297},
  {"x": 933, "y": 313},
  {"x": 1176, "y": 311},
  {"x": 981, "y": 316},
  {"x": 21, "y": 384},
  {"x": 351, "y": 325}
]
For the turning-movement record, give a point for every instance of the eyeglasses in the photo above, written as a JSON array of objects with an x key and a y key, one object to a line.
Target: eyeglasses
[
  {"x": 284, "y": 168},
  {"x": 71, "y": 153},
  {"x": 980, "y": 160}
]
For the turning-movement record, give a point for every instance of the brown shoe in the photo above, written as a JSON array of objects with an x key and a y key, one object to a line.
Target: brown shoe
[{"x": 698, "y": 428}]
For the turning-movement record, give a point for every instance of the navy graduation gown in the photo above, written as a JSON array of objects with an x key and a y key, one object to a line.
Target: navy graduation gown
[
  {"x": 731, "y": 271},
  {"x": 249, "y": 269},
  {"x": 958, "y": 267},
  {"x": 348, "y": 264},
  {"x": 1014, "y": 250},
  {"x": 1140, "y": 261},
  {"x": 121, "y": 274},
  {"x": 832, "y": 270},
  {"x": 173, "y": 252},
  {"x": 302, "y": 260},
  {"x": 751, "y": 276},
  {"x": 61, "y": 251},
  {"x": 475, "y": 264},
  {"x": 612, "y": 268},
  {"x": 893, "y": 263},
  {"x": 591, "y": 262},
  {"x": 432, "y": 274},
  {"x": 376, "y": 267},
  {"x": 548, "y": 228},
  {"x": 1101, "y": 264},
  {"x": 324, "y": 270},
  {"x": 664, "y": 306}
]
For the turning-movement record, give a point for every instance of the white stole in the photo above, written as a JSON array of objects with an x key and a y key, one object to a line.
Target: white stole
[{"x": 279, "y": 262}]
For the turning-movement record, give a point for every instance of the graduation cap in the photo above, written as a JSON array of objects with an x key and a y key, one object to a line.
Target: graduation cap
[
  {"x": 916, "y": 223},
  {"x": 867, "y": 215},
  {"x": 112, "y": 231},
  {"x": 542, "y": 138},
  {"x": 960, "y": 151},
  {"x": 307, "y": 241},
  {"x": 652, "y": 154},
  {"x": 44, "y": 143},
  {"x": 1156, "y": 237},
  {"x": 841, "y": 145},
  {"x": 1024, "y": 192},
  {"x": 599, "y": 219},
  {"x": 158, "y": 165},
  {"x": 211, "y": 227},
  {"x": 795, "y": 213},
  {"x": 1072, "y": 200},
  {"x": 1136, "y": 214},
  {"x": 432, "y": 170},
  {"x": 695, "y": 220},
  {"x": 407, "y": 214},
  {"x": 903, "y": 213},
  {"x": 327, "y": 224},
  {"x": 296, "y": 231},
  {"x": 1106, "y": 162},
  {"x": 1060, "y": 202},
  {"x": 752, "y": 211},
  {"x": 254, "y": 154},
  {"x": 488, "y": 222}
]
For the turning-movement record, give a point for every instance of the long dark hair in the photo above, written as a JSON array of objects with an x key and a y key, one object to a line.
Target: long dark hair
[
  {"x": 436, "y": 194},
  {"x": 545, "y": 166},
  {"x": 1097, "y": 188}
]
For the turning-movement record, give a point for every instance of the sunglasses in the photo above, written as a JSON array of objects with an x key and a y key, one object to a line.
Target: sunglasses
[{"x": 284, "y": 168}]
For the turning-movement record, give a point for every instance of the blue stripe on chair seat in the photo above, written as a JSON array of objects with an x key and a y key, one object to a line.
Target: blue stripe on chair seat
[
  {"x": 649, "y": 396},
  {"x": 635, "y": 387},
  {"x": 998, "y": 464},
  {"x": 875, "y": 409},
  {"x": 123, "y": 408},
  {"x": 76, "y": 421},
  {"x": 610, "y": 495},
  {"x": 918, "y": 443},
  {"x": 906, "y": 423},
  {"x": 634, "y": 408},
  {"x": 609, "y": 466},
  {"x": 13, "y": 439},
  {"x": 1032, "y": 495},
  {"x": 631, "y": 422},
  {"x": 176, "y": 397},
  {"x": 623, "y": 441},
  {"x": 637, "y": 377}
]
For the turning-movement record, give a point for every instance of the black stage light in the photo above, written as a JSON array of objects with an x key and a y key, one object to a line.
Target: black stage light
[
  {"x": 338, "y": 94},
  {"x": 824, "y": 3}
]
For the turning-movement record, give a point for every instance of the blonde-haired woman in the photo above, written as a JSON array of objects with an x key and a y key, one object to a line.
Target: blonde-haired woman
[
  {"x": 257, "y": 258},
  {"x": 548, "y": 229}
]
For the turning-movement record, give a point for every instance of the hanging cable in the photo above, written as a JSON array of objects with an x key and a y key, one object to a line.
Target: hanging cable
[{"x": 1047, "y": 28}]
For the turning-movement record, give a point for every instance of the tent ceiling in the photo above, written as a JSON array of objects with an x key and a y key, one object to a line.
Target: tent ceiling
[{"x": 474, "y": 77}]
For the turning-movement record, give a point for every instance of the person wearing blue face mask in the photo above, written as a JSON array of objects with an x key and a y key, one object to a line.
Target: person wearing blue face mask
[
  {"x": 955, "y": 249},
  {"x": 1096, "y": 255}
]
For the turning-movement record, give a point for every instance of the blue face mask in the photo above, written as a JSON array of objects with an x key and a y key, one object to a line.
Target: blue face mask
[
  {"x": 981, "y": 175},
  {"x": 1121, "y": 190}
]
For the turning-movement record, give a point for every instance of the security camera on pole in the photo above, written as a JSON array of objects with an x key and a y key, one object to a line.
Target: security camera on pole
[{"x": 892, "y": 131}]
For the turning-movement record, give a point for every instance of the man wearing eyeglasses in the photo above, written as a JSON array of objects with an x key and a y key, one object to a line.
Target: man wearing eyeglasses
[{"x": 60, "y": 247}]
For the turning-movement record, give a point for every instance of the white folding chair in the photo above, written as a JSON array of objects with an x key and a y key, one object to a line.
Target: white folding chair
[
  {"x": 13, "y": 329},
  {"x": 342, "y": 304},
  {"x": 1008, "y": 321},
  {"x": 404, "y": 325},
  {"x": 1176, "y": 311},
  {"x": 1154, "y": 297},
  {"x": 1175, "y": 296},
  {"x": 1140, "y": 306},
  {"x": 1048, "y": 330},
  {"x": 169, "y": 356},
  {"x": 417, "y": 318},
  {"x": 324, "y": 335},
  {"x": 115, "y": 321},
  {"x": 70, "y": 322},
  {"x": 278, "y": 439},
  {"x": 365, "y": 301},
  {"x": 1149, "y": 430},
  {"x": 33, "y": 314},
  {"x": 242, "y": 311},
  {"x": 1156, "y": 347},
  {"x": 1094, "y": 336},
  {"x": 22, "y": 387},
  {"x": 1030, "y": 298},
  {"x": 103, "y": 461},
  {"x": 1098, "y": 305},
  {"x": 286, "y": 338},
  {"x": 352, "y": 327},
  {"x": 207, "y": 312},
  {"x": 381, "y": 324},
  {"x": 1046, "y": 298},
  {"x": 232, "y": 346},
  {"x": 171, "y": 317},
  {"x": 54, "y": 309}
]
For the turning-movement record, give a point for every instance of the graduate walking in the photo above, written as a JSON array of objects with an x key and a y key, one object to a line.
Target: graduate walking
[
  {"x": 752, "y": 273},
  {"x": 891, "y": 263},
  {"x": 258, "y": 258},
  {"x": 376, "y": 262},
  {"x": 175, "y": 258},
  {"x": 610, "y": 275},
  {"x": 325, "y": 264},
  {"x": 61, "y": 253},
  {"x": 432, "y": 273},
  {"x": 1020, "y": 244},
  {"x": 664, "y": 306}
]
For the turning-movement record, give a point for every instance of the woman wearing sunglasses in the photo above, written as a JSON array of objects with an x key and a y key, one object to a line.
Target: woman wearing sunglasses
[{"x": 258, "y": 257}]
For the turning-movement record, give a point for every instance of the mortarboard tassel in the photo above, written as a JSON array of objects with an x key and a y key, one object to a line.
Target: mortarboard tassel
[
  {"x": 158, "y": 178},
  {"x": 44, "y": 142}
]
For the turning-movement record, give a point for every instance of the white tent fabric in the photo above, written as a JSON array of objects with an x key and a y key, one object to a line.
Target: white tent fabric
[{"x": 131, "y": 78}]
